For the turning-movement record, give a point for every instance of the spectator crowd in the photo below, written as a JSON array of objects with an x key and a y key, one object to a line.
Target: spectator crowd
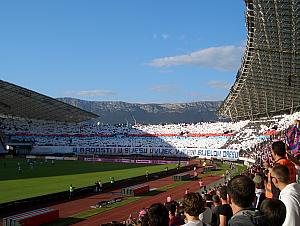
[
  {"x": 266, "y": 194},
  {"x": 243, "y": 135}
]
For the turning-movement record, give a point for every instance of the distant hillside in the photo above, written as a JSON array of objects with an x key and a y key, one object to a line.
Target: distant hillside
[{"x": 112, "y": 112}]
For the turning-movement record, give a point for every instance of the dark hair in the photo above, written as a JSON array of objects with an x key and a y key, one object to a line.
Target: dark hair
[
  {"x": 281, "y": 172},
  {"x": 171, "y": 207},
  {"x": 241, "y": 190},
  {"x": 208, "y": 204},
  {"x": 193, "y": 204},
  {"x": 274, "y": 210},
  {"x": 207, "y": 197},
  {"x": 216, "y": 199},
  {"x": 223, "y": 192},
  {"x": 278, "y": 148},
  {"x": 157, "y": 215}
]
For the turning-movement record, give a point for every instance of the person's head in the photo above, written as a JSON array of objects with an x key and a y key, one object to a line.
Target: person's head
[
  {"x": 274, "y": 210},
  {"x": 216, "y": 200},
  {"x": 171, "y": 207},
  {"x": 157, "y": 215},
  {"x": 259, "y": 181},
  {"x": 223, "y": 193},
  {"x": 193, "y": 204},
  {"x": 280, "y": 175},
  {"x": 296, "y": 122},
  {"x": 241, "y": 191},
  {"x": 278, "y": 149},
  {"x": 142, "y": 213},
  {"x": 208, "y": 197}
]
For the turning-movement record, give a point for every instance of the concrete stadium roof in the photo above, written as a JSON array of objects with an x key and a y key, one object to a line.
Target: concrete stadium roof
[
  {"x": 268, "y": 81},
  {"x": 20, "y": 102}
]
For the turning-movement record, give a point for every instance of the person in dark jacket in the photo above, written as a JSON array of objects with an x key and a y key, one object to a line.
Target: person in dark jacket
[{"x": 241, "y": 194}]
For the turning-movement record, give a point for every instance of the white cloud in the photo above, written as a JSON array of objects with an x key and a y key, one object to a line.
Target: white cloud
[
  {"x": 164, "y": 88},
  {"x": 91, "y": 93},
  {"x": 226, "y": 58},
  {"x": 218, "y": 84}
]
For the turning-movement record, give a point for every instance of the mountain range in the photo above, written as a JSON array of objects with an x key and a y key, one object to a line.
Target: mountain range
[{"x": 115, "y": 112}]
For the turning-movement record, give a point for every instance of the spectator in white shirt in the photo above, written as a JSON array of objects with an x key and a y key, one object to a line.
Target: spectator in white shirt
[{"x": 289, "y": 194}]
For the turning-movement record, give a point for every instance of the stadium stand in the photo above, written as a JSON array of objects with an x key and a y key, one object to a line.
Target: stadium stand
[
  {"x": 242, "y": 135},
  {"x": 270, "y": 65},
  {"x": 16, "y": 101},
  {"x": 2, "y": 143},
  {"x": 268, "y": 81}
]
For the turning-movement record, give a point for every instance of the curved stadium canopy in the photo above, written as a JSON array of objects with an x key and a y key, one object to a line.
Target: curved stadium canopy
[
  {"x": 268, "y": 81},
  {"x": 20, "y": 102}
]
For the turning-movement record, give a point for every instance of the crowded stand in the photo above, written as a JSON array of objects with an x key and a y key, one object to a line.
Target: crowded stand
[
  {"x": 200, "y": 135},
  {"x": 258, "y": 132},
  {"x": 243, "y": 136},
  {"x": 265, "y": 195}
]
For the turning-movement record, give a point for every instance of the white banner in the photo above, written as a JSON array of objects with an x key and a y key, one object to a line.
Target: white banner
[{"x": 226, "y": 154}]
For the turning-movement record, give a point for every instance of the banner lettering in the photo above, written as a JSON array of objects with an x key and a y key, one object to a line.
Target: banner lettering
[{"x": 226, "y": 154}]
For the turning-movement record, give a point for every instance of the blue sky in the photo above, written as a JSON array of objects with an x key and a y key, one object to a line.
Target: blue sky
[{"x": 153, "y": 51}]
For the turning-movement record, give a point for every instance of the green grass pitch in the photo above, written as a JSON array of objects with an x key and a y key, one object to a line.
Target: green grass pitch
[{"x": 46, "y": 178}]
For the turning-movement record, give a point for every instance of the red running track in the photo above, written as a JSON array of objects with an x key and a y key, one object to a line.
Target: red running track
[{"x": 122, "y": 213}]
